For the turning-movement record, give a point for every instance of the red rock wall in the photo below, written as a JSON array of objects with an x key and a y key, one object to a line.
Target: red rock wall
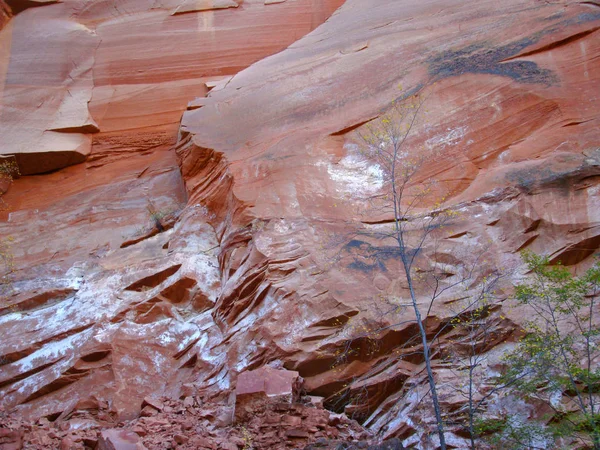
[
  {"x": 517, "y": 150},
  {"x": 137, "y": 279},
  {"x": 107, "y": 83}
]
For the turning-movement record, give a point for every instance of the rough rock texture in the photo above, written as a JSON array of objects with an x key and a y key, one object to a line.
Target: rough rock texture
[
  {"x": 194, "y": 422},
  {"x": 71, "y": 69},
  {"x": 114, "y": 326},
  {"x": 151, "y": 266},
  {"x": 517, "y": 151}
]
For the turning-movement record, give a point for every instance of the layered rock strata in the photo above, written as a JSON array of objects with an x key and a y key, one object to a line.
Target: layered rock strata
[
  {"x": 103, "y": 86},
  {"x": 255, "y": 245},
  {"x": 516, "y": 152}
]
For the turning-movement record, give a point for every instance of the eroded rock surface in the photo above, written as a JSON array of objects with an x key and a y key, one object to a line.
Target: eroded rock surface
[
  {"x": 194, "y": 422},
  {"x": 69, "y": 70},
  {"x": 516, "y": 150},
  {"x": 102, "y": 306},
  {"x": 249, "y": 241}
]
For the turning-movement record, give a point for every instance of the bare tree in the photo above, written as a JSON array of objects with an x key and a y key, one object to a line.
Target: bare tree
[
  {"x": 474, "y": 325},
  {"x": 408, "y": 218},
  {"x": 469, "y": 332},
  {"x": 403, "y": 195}
]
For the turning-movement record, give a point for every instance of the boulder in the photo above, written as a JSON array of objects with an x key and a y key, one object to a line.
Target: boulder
[
  {"x": 257, "y": 388},
  {"x": 115, "y": 439},
  {"x": 11, "y": 439}
]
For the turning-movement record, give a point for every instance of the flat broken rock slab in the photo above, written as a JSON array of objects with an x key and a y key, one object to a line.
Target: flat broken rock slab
[
  {"x": 269, "y": 381},
  {"x": 115, "y": 439},
  {"x": 255, "y": 388}
]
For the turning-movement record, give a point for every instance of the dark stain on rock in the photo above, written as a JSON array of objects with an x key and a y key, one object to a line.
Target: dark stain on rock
[
  {"x": 563, "y": 174},
  {"x": 367, "y": 258},
  {"x": 586, "y": 17},
  {"x": 484, "y": 58}
]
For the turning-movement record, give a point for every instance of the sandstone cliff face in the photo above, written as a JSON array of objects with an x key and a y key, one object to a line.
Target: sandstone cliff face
[
  {"x": 188, "y": 255},
  {"x": 107, "y": 83}
]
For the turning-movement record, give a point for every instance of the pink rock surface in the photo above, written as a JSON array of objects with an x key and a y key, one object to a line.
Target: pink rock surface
[
  {"x": 515, "y": 141},
  {"x": 269, "y": 381},
  {"x": 75, "y": 74},
  {"x": 44, "y": 115},
  {"x": 119, "y": 440},
  {"x": 185, "y": 256},
  {"x": 129, "y": 70}
]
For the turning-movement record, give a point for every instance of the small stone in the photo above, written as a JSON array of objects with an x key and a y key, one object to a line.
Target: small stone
[
  {"x": 272, "y": 419},
  {"x": 228, "y": 446},
  {"x": 154, "y": 402},
  {"x": 90, "y": 442},
  {"x": 294, "y": 433},
  {"x": 317, "y": 402},
  {"x": 156, "y": 421},
  {"x": 292, "y": 421},
  {"x": 66, "y": 443},
  {"x": 187, "y": 390},
  {"x": 117, "y": 439},
  {"x": 282, "y": 407},
  {"x": 187, "y": 425},
  {"x": 335, "y": 419},
  {"x": 140, "y": 431},
  {"x": 180, "y": 439},
  {"x": 148, "y": 411},
  {"x": 237, "y": 441}
]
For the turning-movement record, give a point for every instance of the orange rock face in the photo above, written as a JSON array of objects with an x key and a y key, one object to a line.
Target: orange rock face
[
  {"x": 107, "y": 84},
  {"x": 188, "y": 254}
]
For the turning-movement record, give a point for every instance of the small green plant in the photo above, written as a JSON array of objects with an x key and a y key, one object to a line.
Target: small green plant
[
  {"x": 557, "y": 362},
  {"x": 156, "y": 216},
  {"x": 7, "y": 263},
  {"x": 247, "y": 438},
  {"x": 509, "y": 433},
  {"x": 160, "y": 218},
  {"x": 8, "y": 170}
]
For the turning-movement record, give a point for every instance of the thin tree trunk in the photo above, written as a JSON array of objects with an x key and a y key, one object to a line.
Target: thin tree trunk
[
  {"x": 427, "y": 357},
  {"x": 471, "y": 411},
  {"x": 422, "y": 331},
  {"x": 398, "y": 140}
]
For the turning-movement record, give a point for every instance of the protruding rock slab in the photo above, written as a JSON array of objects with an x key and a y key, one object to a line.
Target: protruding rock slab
[
  {"x": 257, "y": 387},
  {"x": 270, "y": 382},
  {"x": 44, "y": 114}
]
